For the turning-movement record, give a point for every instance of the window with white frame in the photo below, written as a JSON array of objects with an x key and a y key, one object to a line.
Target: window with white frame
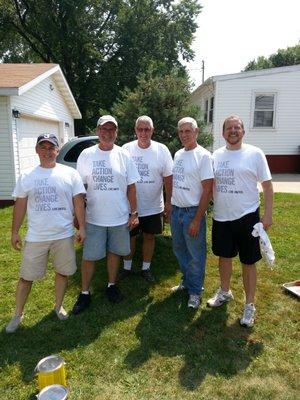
[{"x": 264, "y": 110}]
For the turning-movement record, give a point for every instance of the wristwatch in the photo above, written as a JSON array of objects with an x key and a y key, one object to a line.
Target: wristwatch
[{"x": 135, "y": 213}]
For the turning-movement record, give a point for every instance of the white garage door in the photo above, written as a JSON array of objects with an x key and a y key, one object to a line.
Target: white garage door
[{"x": 28, "y": 131}]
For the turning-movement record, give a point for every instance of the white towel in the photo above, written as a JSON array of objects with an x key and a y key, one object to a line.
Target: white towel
[{"x": 265, "y": 244}]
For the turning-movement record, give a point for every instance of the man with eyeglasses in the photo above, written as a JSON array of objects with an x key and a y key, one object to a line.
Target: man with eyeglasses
[
  {"x": 50, "y": 194},
  {"x": 154, "y": 163},
  {"x": 111, "y": 208}
]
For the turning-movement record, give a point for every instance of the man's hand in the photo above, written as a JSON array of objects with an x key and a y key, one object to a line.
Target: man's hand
[
  {"x": 80, "y": 236},
  {"x": 16, "y": 241},
  {"x": 194, "y": 228},
  {"x": 266, "y": 221},
  {"x": 133, "y": 221}
]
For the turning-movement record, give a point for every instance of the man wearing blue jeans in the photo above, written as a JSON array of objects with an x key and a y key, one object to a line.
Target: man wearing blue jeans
[{"x": 191, "y": 194}]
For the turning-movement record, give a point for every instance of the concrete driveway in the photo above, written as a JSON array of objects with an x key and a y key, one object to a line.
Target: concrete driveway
[{"x": 286, "y": 183}]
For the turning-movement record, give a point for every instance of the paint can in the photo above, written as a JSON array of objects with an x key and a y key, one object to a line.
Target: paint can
[
  {"x": 51, "y": 370},
  {"x": 53, "y": 392}
]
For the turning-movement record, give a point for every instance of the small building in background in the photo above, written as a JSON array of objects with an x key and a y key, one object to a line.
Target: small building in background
[
  {"x": 268, "y": 101},
  {"x": 34, "y": 99}
]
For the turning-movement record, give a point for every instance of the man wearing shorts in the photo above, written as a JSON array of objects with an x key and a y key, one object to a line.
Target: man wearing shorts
[
  {"x": 192, "y": 192},
  {"x": 154, "y": 163},
  {"x": 238, "y": 168},
  {"x": 50, "y": 194},
  {"x": 111, "y": 210}
]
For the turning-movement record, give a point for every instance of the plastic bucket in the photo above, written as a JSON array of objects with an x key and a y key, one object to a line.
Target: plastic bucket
[
  {"x": 53, "y": 392},
  {"x": 51, "y": 370}
]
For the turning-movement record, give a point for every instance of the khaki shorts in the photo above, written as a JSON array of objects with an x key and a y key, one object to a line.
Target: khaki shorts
[{"x": 35, "y": 258}]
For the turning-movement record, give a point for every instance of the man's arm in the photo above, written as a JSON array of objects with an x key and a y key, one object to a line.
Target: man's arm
[
  {"x": 207, "y": 186},
  {"x": 19, "y": 212},
  {"x": 168, "y": 190},
  {"x": 131, "y": 196},
  {"x": 268, "y": 193},
  {"x": 79, "y": 210}
]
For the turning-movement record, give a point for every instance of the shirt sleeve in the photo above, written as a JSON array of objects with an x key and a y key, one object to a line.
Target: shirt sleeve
[
  {"x": 81, "y": 167},
  {"x": 206, "y": 171},
  {"x": 262, "y": 168},
  {"x": 168, "y": 162},
  {"x": 133, "y": 175},
  {"x": 19, "y": 190},
  {"x": 78, "y": 186}
]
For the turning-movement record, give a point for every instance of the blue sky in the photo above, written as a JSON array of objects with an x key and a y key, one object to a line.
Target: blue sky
[{"x": 233, "y": 32}]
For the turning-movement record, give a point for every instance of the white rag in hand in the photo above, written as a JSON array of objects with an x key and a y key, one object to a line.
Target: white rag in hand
[{"x": 265, "y": 244}]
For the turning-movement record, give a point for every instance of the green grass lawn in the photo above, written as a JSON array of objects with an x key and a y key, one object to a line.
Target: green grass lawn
[{"x": 151, "y": 346}]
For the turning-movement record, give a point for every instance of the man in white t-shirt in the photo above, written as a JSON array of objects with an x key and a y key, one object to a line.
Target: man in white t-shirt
[
  {"x": 192, "y": 192},
  {"x": 50, "y": 194},
  {"x": 238, "y": 168},
  {"x": 154, "y": 163},
  {"x": 111, "y": 210}
]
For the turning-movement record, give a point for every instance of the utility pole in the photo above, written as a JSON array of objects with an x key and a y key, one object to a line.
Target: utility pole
[{"x": 203, "y": 67}]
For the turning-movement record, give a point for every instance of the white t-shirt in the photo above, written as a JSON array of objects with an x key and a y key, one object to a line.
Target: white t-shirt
[
  {"x": 153, "y": 164},
  {"x": 50, "y": 193},
  {"x": 237, "y": 173},
  {"x": 191, "y": 167},
  {"x": 107, "y": 175}
]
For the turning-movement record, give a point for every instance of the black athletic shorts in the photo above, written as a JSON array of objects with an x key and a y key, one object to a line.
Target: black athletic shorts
[
  {"x": 230, "y": 238},
  {"x": 150, "y": 224}
]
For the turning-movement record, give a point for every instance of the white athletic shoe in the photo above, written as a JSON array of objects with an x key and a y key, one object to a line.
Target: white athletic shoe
[
  {"x": 247, "y": 319},
  {"x": 14, "y": 324},
  {"x": 178, "y": 288},
  {"x": 194, "y": 301},
  {"x": 220, "y": 298}
]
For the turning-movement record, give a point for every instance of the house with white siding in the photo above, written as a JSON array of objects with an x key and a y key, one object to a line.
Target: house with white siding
[
  {"x": 34, "y": 99},
  {"x": 268, "y": 101}
]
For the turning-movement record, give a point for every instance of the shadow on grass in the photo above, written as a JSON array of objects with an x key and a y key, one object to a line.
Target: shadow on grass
[
  {"x": 50, "y": 336},
  {"x": 208, "y": 345}
]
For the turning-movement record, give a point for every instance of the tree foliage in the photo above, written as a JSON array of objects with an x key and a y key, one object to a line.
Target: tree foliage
[
  {"x": 101, "y": 46},
  {"x": 166, "y": 100},
  {"x": 283, "y": 57}
]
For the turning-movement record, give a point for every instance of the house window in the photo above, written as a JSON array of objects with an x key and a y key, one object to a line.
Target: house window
[
  {"x": 264, "y": 111},
  {"x": 211, "y": 110},
  {"x": 206, "y": 112}
]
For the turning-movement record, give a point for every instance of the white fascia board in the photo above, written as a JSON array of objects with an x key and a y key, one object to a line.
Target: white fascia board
[
  {"x": 66, "y": 91},
  {"x": 37, "y": 80}
]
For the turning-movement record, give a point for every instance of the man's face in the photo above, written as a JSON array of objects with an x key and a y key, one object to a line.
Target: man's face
[
  {"x": 47, "y": 153},
  {"x": 188, "y": 135},
  {"x": 233, "y": 133},
  {"x": 144, "y": 133},
  {"x": 107, "y": 133}
]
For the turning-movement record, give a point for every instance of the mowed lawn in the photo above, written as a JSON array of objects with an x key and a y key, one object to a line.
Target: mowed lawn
[{"x": 151, "y": 346}]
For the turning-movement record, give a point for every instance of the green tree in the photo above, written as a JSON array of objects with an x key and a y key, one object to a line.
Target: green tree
[
  {"x": 101, "y": 46},
  {"x": 283, "y": 57},
  {"x": 165, "y": 99}
]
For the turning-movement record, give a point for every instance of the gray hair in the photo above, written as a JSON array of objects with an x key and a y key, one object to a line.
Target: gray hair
[
  {"x": 145, "y": 119},
  {"x": 188, "y": 120}
]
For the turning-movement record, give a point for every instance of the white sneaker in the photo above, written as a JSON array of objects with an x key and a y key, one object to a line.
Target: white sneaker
[
  {"x": 178, "y": 288},
  {"x": 14, "y": 324},
  {"x": 220, "y": 298},
  {"x": 61, "y": 313},
  {"x": 247, "y": 319},
  {"x": 194, "y": 301}
]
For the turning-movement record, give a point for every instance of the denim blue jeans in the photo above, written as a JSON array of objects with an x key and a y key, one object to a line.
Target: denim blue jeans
[{"x": 190, "y": 251}]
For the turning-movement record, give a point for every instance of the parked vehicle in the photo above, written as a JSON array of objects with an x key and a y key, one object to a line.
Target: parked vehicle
[{"x": 70, "y": 151}]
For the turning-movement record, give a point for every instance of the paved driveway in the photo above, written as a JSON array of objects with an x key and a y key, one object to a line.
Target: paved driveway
[{"x": 286, "y": 183}]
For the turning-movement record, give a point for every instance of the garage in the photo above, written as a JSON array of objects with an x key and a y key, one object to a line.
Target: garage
[{"x": 28, "y": 130}]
